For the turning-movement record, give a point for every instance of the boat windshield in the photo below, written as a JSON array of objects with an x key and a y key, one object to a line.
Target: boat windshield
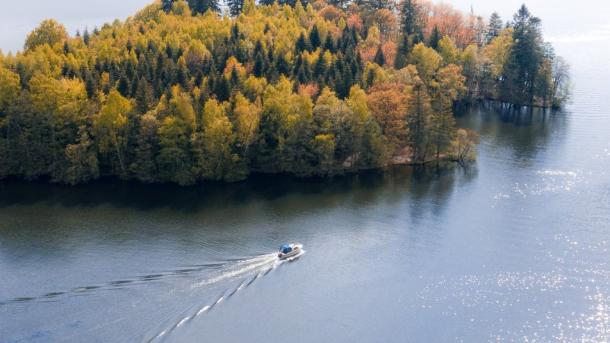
[{"x": 285, "y": 249}]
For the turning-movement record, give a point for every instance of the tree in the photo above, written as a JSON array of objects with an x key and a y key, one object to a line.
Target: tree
[
  {"x": 560, "y": 83},
  {"x": 110, "y": 126},
  {"x": 247, "y": 117},
  {"x": 235, "y": 6},
  {"x": 302, "y": 44},
  {"x": 215, "y": 159},
  {"x": 448, "y": 51},
  {"x": 427, "y": 61},
  {"x": 9, "y": 88},
  {"x": 379, "y": 57},
  {"x": 202, "y": 6},
  {"x": 144, "y": 96},
  {"x": 411, "y": 18},
  {"x": 464, "y": 145},
  {"x": 434, "y": 38},
  {"x": 418, "y": 121},
  {"x": 82, "y": 159},
  {"x": 388, "y": 104},
  {"x": 166, "y": 5},
  {"x": 324, "y": 147},
  {"x": 48, "y": 32},
  {"x": 494, "y": 27},
  {"x": 144, "y": 166},
  {"x": 524, "y": 60},
  {"x": 314, "y": 37},
  {"x": 174, "y": 159}
]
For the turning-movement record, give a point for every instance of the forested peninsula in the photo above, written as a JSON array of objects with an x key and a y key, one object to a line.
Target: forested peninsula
[{"x": 186, "y": 91}]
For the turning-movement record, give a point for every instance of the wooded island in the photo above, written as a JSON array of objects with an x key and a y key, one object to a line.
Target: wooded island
[{"x": 183, "y": 93}]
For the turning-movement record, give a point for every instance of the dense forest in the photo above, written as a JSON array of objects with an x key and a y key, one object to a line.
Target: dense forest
[{"x": 195, "y": 90}]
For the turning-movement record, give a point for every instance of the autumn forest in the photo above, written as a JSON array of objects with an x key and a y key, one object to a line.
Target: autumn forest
[{"x": 186, "y": 91}]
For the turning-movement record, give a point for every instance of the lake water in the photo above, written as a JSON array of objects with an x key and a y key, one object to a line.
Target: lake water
[{"x": 515, "y": 248}]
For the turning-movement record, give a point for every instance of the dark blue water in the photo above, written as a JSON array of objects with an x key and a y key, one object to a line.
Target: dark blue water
[{"x": 514, "y": 248}]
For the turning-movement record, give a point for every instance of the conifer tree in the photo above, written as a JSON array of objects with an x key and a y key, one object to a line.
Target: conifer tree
[
  {"x": 379, "y": 57},
  {"x": 329, "y": 44},
  {"x": 494, "y": 28},
  {"x": 235, "y": 7},
  {"x": 435, "y": 37},
  {"x": 314, "y": 38}
]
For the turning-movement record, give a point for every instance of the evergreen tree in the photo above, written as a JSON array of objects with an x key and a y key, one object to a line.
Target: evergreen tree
[
  {"x": 524, "y": 61},
  {"x": 411, "y": 18},
  {"x": 402, "y": 53},
  {"x": 301, "y": 44},
  {"x": 379, "y": 57},
  {"x": 314, "y": 38},
  {"x": 86, "y": 37},
  {"x": 494, "y": 28},
  {"x": 418, "y": 121},
  {"x": 144, "y": 96},
  {"x": 144, "y": 166},
  {"x": 166, "y": 5},
  {"x": 435, "y": 37},
  {"x": 329, "y": 44},
  {"x": 319, "y": 69},
  {"x": 235, "y": 7},
  {"x": 202, "y": 6}
]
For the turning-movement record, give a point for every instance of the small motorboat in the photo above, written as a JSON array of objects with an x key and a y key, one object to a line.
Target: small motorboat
[{"x": 289, "y": 250}]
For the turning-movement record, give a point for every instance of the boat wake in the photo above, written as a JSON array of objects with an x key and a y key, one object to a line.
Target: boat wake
[{"x": 245, "y": 271}]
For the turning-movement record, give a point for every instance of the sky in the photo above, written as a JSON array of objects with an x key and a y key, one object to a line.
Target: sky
[{"x": 563, "y": 21}]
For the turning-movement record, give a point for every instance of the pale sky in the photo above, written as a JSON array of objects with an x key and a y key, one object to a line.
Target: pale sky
[{"x": 563, "y": 20}]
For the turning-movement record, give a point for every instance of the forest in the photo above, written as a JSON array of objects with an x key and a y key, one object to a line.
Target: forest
[{"x": 187, "y": 91}]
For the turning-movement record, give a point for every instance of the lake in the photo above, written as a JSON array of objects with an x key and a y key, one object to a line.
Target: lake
[{"x": 513, "y": 248}]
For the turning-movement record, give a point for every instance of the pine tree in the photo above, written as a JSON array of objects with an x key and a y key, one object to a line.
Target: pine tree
[
  {"x": 524, "y": 61},
  {"x": 301, "y": 44},
  {"x": 329, "y": 44},
  {"x": 411, "y": 19},
  {"x": 223, "y": 89},
  {"x": 86, "y": 37},
  {"x": 259, "y": 65},
  {"x": 314, "y": 37},
  {"x": 124, "y": 85},
  {"x": 379, "y": 57},
  {"x": 202, "y": 6},
  {"x": 144, "y": 96},
  {"x": 435, "y": 37},
  {"x": 494, "y": 28},
  {"x": 319, "y": 69},
  {"x": 166, "y": 5},
  {"x": 235, "y": 7},
  {"x": 404, "y": 49}
]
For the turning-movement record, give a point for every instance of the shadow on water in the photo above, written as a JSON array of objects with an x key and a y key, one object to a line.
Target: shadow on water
[{"x": 210, "y": 195}]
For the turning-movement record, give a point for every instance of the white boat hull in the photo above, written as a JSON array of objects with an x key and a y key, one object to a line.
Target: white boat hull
[{"x": 296, "y": 251}]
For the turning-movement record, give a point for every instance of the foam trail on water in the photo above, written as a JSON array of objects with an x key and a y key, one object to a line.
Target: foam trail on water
[
  {"x": 259, "y": 266},
  {"x": 243, "y": 267}
]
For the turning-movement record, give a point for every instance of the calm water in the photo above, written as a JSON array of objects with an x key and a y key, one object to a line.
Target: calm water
[{"x": 514, "y": 248}]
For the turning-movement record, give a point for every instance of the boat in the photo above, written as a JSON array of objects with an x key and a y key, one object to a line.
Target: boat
[{"x": 289, "y": 250}]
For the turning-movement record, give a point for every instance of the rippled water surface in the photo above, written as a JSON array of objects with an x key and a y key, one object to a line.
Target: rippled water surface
[{"x": 515, "y": 248}]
